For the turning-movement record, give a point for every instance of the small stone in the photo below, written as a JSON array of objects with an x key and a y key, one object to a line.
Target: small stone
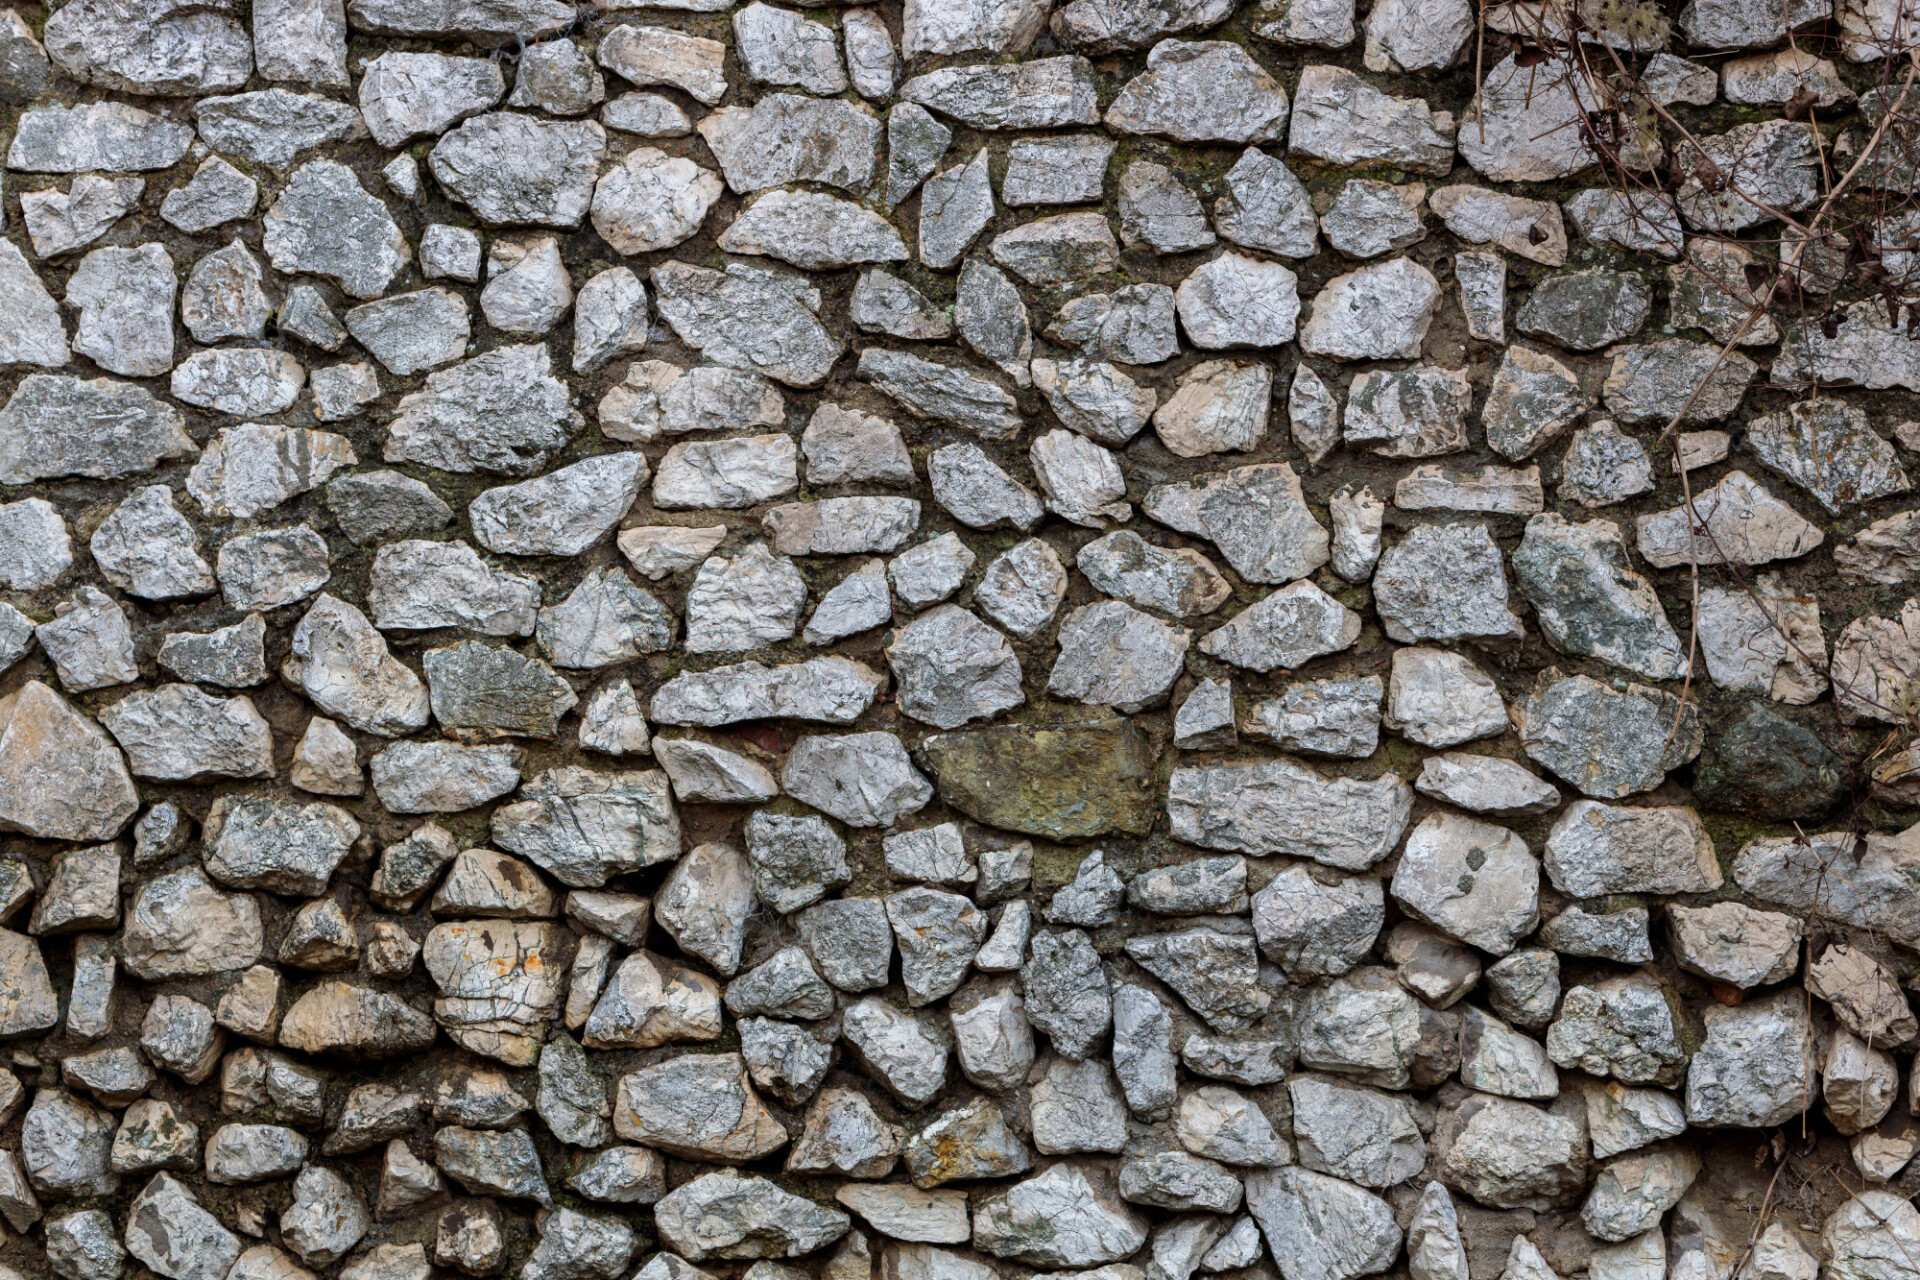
[
  {"x": 1359, "y": 1135},
  {"x": 452, "y": 252},
  {"x": 1326, "y": 1229},
  {"x": 786, "y": 137},
  {"x": 976, "y": 492},
  {"x": 1370, "y": 218},
  {"x": 1340, "y": 119},
  {"x": 274, "y": 126},
  {"x": 1409, "y": 413},
  {"x": 325, "y": 223},
  {"x": 1060, "y": 1218},
  {"x": 884, "y": 303},
  {"x": 1444, "y": 582},
  {"x": 125, "y": 298},
  {"x": 413, "y": 332},
  {"x": 170, "y": 1233},
  {"x": 1158, "y": 211},
  {"x": 1749, "y": 1071},
  {"x": 59, "y": 222},
  {"x": 1604, "y": 466},
  {"x": 1219, "y": 406},
  {"x": 610, "y": 319},
  {"x": 502, "y": 411},
  {"x": 1042, "y": 93},
  {"x": 306, "y": 316},
  {"x": 109, "y": 136},
  {"x": 928, "y": 573},
  {"x": 273, "y": 568},
  {"x": 1525, "y": 987},
  {"x": 217, "y": 193},
  {"x": 1058, "y": 170},
  {"x": 1606, "y": 742},
  {"x": 660, "y": 55},
  {"x": 1658, "y": 381},
  {"x": 1533, "y": 399},
  {"x": 149, "y": 51},
  {"x": 1509, "y": 1154},
  {"x": 1441, "y": 971},
  {"x": 1287, "y": 628},
  {"x": 1203, "y": 91},
  {"x": 559, "y": 78},
  {"x": 1021, "y": 589},
  {"x": 1597, "y": 849},
  {"x": 1064, "y": 248},
  {"x": 343, "y": 391},
  {"x": 344, "y": 665},
  {"x": 145, "y": 547},
  {"x": 729, "y": 1214},
  {"x": 1337, "y": 717},
  {"x": 1608, "y": 935},
  {"x": 1735, "y": 944},
  {"x": 1376, "y": 313},
  {"x": 1588, "y": 602},
  {"x": 89, "y": 642},
  {"x": 951, "y": 668},
  {"x": 516, "y": 169},
  {"x": 872, "y": 62},
  {"x": 748, "y": 317},
  {"x": 658, "y": 397},
  {"x": 176, "y": 732},
  {"x": 1587, "y": 310},
  {"x": 1265, "y": 207},
  {"x": 1440, "y": 699},
  {"x": 1621, "y": 1027},
  {"x": 652, "y": 200},
  {"x": 830, "y": 690}
]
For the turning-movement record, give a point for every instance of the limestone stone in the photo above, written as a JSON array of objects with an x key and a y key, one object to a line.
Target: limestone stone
[{"x": 1340, "y": 119}]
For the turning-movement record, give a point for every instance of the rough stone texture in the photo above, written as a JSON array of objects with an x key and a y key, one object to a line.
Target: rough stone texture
[{"x": 911, "y": 674}]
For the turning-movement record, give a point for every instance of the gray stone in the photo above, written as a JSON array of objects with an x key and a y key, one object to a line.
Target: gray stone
[
  {"x": 1750, "y": 1069},
  {"x": 412, "y": 332},
  {"x": 755, "y": 598},
  {"x": 1735, "y": 944},
  {"x": 110, "y": 136},
  {"x": 1067, "y": 1216},
  {"x": 1608, "y": 743},
  {"x": 1042, "y": 93},
  {"x": 59, "y": 222},
  {"x": 884, "y": 303},
  {"x": 929, "y": 572},
  {"x": 732, "y": 1215},
  {"x": 1508, "y": 1154},
  {"x": 519, "y": 170},
  {"x": 780, "y": 47},
  {"x": 651, "y": 200},
  {"x": 658, "y": 398},
  {"x": 1470, "y": 879},
  {"x": 1287, "y": 628},
  {"x": 325, "y": 223},
  {"x": 106, "y": 429},
  {"x": 169, "y": 1232},
  {"x": 89, "y": 642},
  {"x": 789, "y": 138},
  {"x": 1065, "y": 248},
  {"x": 1281, "y": 807},
  {"x": 500, "y": 412},
  {"x": 748, "y": 317},
  {"x": 1320, "y": 1227}
]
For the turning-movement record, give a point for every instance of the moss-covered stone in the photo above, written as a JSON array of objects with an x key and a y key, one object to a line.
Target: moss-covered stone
[
  {"x": 1768, "y": 766},
  {"x": 1067, "y": 780}
]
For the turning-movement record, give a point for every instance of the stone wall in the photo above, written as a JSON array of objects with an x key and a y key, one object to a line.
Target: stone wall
[{"x": 951, "y": 641}]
